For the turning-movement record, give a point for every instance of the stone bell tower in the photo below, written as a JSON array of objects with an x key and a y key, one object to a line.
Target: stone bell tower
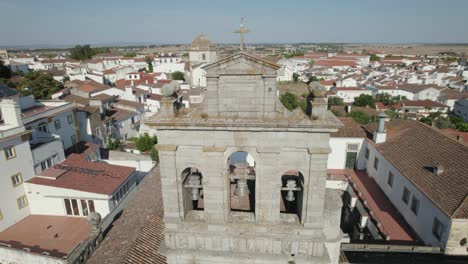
[{"x": 243, "y": 178}]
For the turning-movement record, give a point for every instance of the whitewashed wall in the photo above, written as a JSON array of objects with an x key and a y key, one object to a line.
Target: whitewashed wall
[
  {"x": 337, "y": 157},
  {"x": 421, "y": 223}
]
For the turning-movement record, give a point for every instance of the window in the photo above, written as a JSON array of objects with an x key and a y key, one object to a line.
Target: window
[
  {"x": 120, "y": 194},
  {"x": 352, "y": 147},
  {"x": 9, "y": 152},
  {"x": 47, "y": 163},
  {"x": 98, "y": 131},
  {"x": 84, "y": 207},
  {"x": 73, "y": 139},
  {"x": 367, "y": 153},
  {"x": 22, "y": 201},
  {"x": 42, "y": 127},
  {"x": 57, "y": 124},
  {"x": 76, "y": 207},
  {"x": 406, "y": 195},
  {"x": 390, "y": 179},
  {"x": 203, "y": 56},
  {"x": 376, "y": 163},
  {"x": 16, "y": 179},
  {"x": 437, "y": 228},
  {"x": 70, "y": 119},
  {"x": 415, "y": 205}
]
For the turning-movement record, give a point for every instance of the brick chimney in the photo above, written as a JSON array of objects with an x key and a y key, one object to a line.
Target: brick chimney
[{"x": 11, "y": 112}]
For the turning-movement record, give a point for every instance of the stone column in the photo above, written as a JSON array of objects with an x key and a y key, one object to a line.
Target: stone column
[
  {"x": 167, "y": 162},
  {"x": 315, "y": 187},
  {"x": 214, "y": 184},
  {"x": 268, "y": 196}
]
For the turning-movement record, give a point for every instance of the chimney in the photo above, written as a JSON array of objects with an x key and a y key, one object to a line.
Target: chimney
[
  {"x": 348, "y": 109},
  {"x": 129, "y": 90},
  {"x": 381, "y": 135},
  {"x": 438, "y": 170},
  {"x": 459, "y": 138},
  {"x": 11, "y": 112}
]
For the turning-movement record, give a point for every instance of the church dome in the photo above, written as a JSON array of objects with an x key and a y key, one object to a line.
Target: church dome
[{"x": 202, "y": 43}]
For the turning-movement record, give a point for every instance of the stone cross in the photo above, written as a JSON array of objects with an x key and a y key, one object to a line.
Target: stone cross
[{"x": 241, "y": 31}]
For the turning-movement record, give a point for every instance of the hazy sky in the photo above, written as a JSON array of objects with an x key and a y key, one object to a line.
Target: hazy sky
[{"x": 28, "y": 22}]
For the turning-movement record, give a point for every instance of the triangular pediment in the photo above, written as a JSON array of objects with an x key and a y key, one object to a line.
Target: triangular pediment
[{"x": 242, "y": 63}]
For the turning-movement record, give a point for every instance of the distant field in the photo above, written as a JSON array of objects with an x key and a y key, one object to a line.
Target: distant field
[{"x": 411, "y": 49}]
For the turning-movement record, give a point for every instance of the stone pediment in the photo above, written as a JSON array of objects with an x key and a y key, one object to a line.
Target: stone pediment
[{"x": 241, "y": 64}]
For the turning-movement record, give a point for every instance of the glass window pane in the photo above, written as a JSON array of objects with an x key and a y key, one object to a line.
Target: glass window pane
[
  {"x": 76, "y": 210},
  {"x": 68, "y": 207},
  {"x": 91, "y": 206},
  {"x": 84, "y": 207}
]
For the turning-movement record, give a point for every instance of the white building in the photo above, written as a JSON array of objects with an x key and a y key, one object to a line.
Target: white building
[
  {"x": 423, "y": 174},
  {"x": 347, "y": 146},
  {"x": 348, "y": 94},
  {"x": 15, "y": 163},
  {"x": 52, "y": 119}
]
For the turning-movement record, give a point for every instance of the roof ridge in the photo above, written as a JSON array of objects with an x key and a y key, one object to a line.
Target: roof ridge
[{"x": 460, "y": 206}]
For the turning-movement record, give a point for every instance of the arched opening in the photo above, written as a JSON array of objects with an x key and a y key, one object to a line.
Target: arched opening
[
  {"x": 192, "y": 190},
  {"x": 241, "y": 172},
  {"x": 292, "y": 189}
]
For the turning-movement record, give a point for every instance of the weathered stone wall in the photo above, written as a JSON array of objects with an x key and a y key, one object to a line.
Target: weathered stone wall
[{"x": 274, "y": 154}]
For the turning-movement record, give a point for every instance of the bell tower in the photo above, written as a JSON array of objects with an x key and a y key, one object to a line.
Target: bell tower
[{"x": 243, "y": 178}]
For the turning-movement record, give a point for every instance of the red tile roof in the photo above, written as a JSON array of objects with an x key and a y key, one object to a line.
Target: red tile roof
[
  {"x": 82, "y": 175},
  {"x": 414, "y": 148},
  {"x": 331, "y": 63},
  {"x": 57, "y": 235},
  {"x": 350, "y": 129},
  {"x": 422, "y": 103},
  {"x": 392, "y": 223},
  {"x": 350, "y": 89}
]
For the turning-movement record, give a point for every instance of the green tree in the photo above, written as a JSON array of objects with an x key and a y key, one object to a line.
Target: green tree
[
  {"x": 150, "y": 64},
  {"x": 155, "y": 155},
  {"x": 289, "y": 101},
  {"x": 178, "y": 75},
  {"x": 334, "y": 100},
  {"x": 374, "y": 57},
  {"x": 295, "y": 77},
  {"x": 364, "y": 100},
  {"x": 85, "y": 52},
  {"x": 361, "y": 117},
  {"x": 5, "y": 71},
  {"x": 145, "y": 142},
  {"x": 39, "y": 84},
  {"x": 426, "y": 120},
  {"x": 113, "y": 143},
  {"x": 130, "y": 55},
  {"x": 442, "y": 123},
  {"x": 385, "y": 99}
]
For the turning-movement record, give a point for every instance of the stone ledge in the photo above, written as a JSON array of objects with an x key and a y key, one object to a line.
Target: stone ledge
[
  {"x": 214, "y": 149},
  {"x": 166, "y": 147}
]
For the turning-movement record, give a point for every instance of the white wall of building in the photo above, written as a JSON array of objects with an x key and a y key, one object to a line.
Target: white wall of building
[
  {"x": 11, "y": 255},
  {"x": 22, "y": 163},
  {"x": 47, "y": 200},
  {"x": 337, "y": 157},
  {"x": 422, "y": 222}
]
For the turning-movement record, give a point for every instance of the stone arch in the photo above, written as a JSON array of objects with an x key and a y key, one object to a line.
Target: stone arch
[
  {"x": 292, "y": 195},
  {"x": 241, "y": 174}
]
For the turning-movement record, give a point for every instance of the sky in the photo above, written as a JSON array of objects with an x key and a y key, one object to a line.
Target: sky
[{"x": 71, "y": 22}]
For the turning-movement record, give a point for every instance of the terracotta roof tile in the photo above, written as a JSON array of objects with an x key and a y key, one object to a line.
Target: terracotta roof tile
[
  {"x": 415, "y": 148},
  {"x": 82, "y": 175}
]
